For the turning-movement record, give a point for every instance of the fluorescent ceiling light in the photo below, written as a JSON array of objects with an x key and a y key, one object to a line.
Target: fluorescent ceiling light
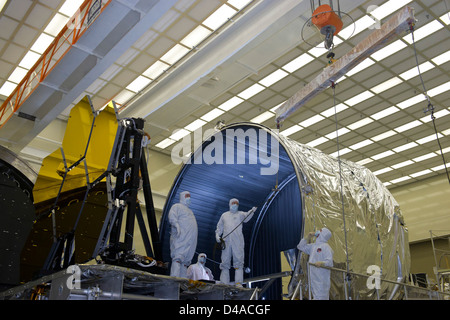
[
  {"x": 175, "y": 54},
  {"x": 388, "y": 50},
  {"x": 330, "y": 112},
  {"x": 295, "y": 128},
  {"x": 29, "y": 60},
  {"x": 297, "y": 63},
  {"x": 420, "y": 173},
  {"x": 439, "y": 89},
  {"x": 274, "y": 109},
  {"x": 424, "y": 31},
  {"x": 212, "y": 115},
  {"x": 273, "y": 77},
  {"x": 382, "y": 155},
  {"x": 445, "y": 18},
  {"x": 424, "y": 157},
  {"x": 389, "y": 84},
  {"x": 179, "y": 134},
  {"x": 441, "y": 167},
  {"x": 381, "y": 171},
  {"x": 317, "y": 142},
  {"x": 339, "y": 133},
  {"x": 311, "y": 121},
  {"x": 405, "y": 147},
  {"x": 2, "y": 4},
  {"x": 384, "y": 113},
  {"x": 413, "y": 72},
  {"x": 195, "y": 125},
  {"x": 7, "y": 88},
  {"x": 42, "y": 43},
  {"x": 70, "y": 7},
  {"x": 411, "y": 101},
  {"x": 402, "y": 164},
  {"x": 318, "y": 50},
  {"x": 251, "y": 91},
  {"x": 165, "y": 143},
  {"x": 230, "y": 104},
  {"x": 408, "y": 126},
  {"x": 364, "y": 161},
  {"x": 263, "y": 117},
  {"x": 341, "y": 152},
  {"x": 195, "y": 37},
  {"x": 388, "y": 8},
  {"x": 17, "y": 75},
  {"x": 428, "y": 139},
  {"x": 360, "y": 123},
  {"x": 123, "y": 96},
  {"x": 442, "y": 58},
  {"x": 56, "y": 25},
  {"x": 436, "y": 115},
  {"x": 219, "y": 17},
  {"x": 359, "y": 98},
  {"x": 155, "y": 70},
  {"x": 239, "y": 4},
  {"x": 353, "y": 29},
  {"x": 363, "y": 65},
  {"x": 361, "y": 144},
  {"x": 385, "y": 135},
  {"x": 138, "y": 84},
  {"x": 400, "y": 179}
]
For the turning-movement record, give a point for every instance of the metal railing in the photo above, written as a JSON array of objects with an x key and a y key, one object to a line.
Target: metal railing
[{"x": 403, "y": 289}]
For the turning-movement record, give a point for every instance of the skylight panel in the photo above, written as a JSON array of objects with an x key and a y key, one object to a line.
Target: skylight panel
[
  {"x": 299, "y": 62},
  {"x": 405, "y": 147},
  {"x": 311, "y": 121},
  {"x": 388, "y": 8},
  {"x": 239, "y": 4},
  {"x": 195, "y": 125},
  {"x": 420, "y": 173},
  {"x": 359, "y": 98},
  {"x": 273, "y": 77},
  {"x": 165, "y": 143},
  {"x": 156, "y": 70},
  {"x": 230, "y": 104},
  {"x": 138, "y": 84},
  {"x": 330, "y": 112},
  {"x": 442, "y": 58},
  {"x": 212, "y": 115},
  {"x": 411, "y": 101},
  {"x": 7, "y": 88},
  {"x": 219, "y": 17},
  {"x": 70, "y": 7},
  {"x": 408, "y": 126},
  {"x": 388, "y": 50},
  {"x": 384, "y": 135},
  {"x": 295, "y": 128},
  {"x": 424, "y": 157},
  {"x": 175, "y": 54},
  {"x": 389, "y": 84},
  {"x": 263, "y": 117},
  {"x": 360, "y": 67},
  {"x": 439, "y": 89},
  {"x": 196, "y": 36},
  {"x": 56, "y": 24},
  {"x": 42, "y": 43},
  {"x": 382, "y": 155},
  {"x": 179, "y": 134},
  {"x": 360, "y": 123},
  {"x": 29, "y": 60},
  {"x": 424, "y": 31},
  {"x": 381, "y": 171},
  {"x": 361, "y": 144},
  {"x": 317, "y": 142},
  {"x": 384, "y": 113},
  {"x": 413, "y": 72},
  {"x": 17, "y": 75},
  {"x": 251, "y": 91},
  {"x": 400, "y": 179}
]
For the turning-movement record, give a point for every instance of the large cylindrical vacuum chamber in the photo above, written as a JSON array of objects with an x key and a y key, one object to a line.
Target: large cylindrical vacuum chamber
[{"x": 297, "y": 189}]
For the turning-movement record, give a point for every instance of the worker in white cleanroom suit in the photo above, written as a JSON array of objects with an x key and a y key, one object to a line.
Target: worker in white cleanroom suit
[
  {"x": 199, "y": 271},
  {"x": 320, "y": 254},
  {"x": 229, "y": 231},
  {"x": 183, "y": 236}
]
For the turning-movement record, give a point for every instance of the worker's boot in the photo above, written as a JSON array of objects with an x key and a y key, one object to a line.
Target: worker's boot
[
  {"x": 238, "y": 276},
  {"x": 225, "y": 276},
  {"x": 175, "y": 269}
]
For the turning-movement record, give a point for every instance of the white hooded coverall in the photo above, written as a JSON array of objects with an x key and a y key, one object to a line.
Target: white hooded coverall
[
  {"x": 234, "y": 242},
  {"x": 183, "y": 237},
  {"x": 319, "y": 251},
  {"x": 199, "y": 271}
]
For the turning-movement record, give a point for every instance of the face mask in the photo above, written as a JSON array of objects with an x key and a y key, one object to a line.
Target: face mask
[
  {"x": 202, "y": 260},
  {"x": 187, "y": 201},
  {"x": 234, "y": 207}
]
